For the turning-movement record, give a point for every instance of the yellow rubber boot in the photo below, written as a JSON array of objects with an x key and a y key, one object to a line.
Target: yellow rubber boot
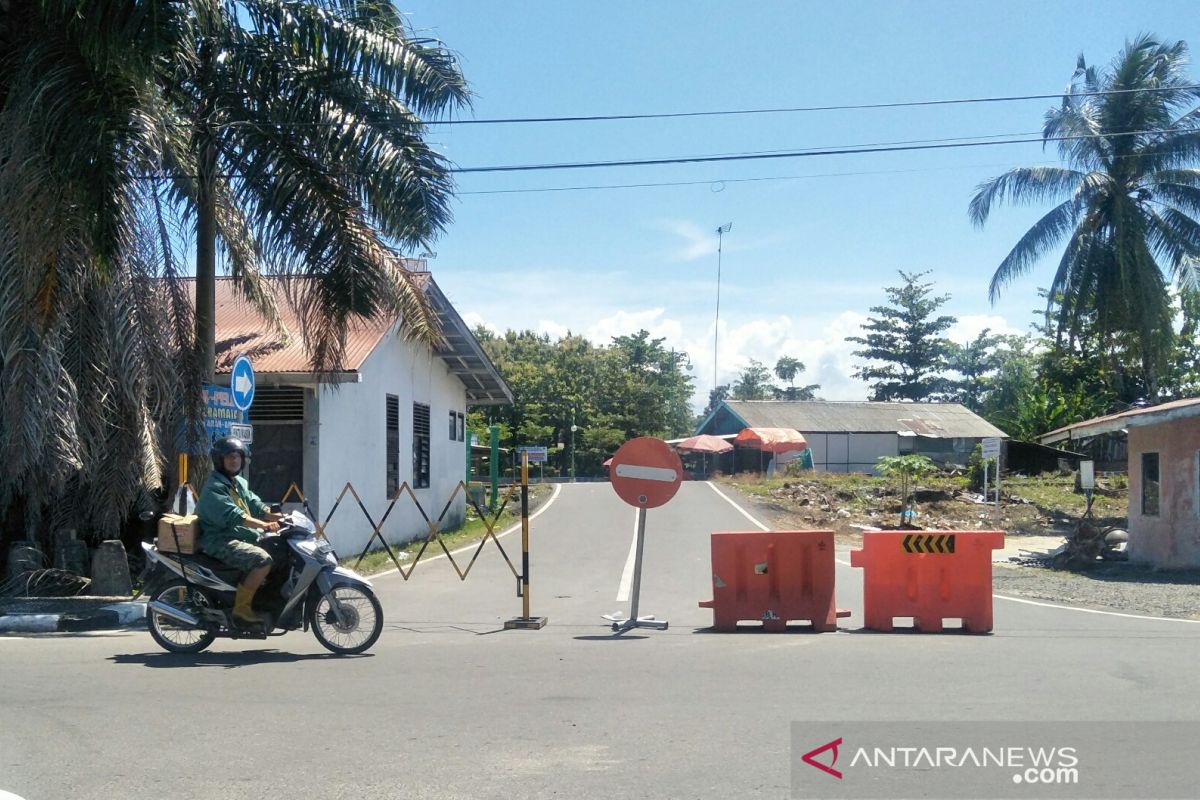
[{"x": 242, "y": 611}]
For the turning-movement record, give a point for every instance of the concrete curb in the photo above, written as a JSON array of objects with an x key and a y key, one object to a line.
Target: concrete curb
[{"x": 116, "y": 616}]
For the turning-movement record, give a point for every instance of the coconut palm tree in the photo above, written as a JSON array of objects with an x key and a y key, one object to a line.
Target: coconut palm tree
[
  {"x": 1126, "y": 198},
  {"x": 285, "y": 138},
  {"x": 786, "y": 369}
]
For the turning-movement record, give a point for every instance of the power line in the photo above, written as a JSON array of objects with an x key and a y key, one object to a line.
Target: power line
[
  {"x": 802, "y": 109},
  {"x": 832, "y": 151},
  {"x": 721, "y": 181},
  {"x": 898, "y": 147},
  {"x": 417, "y": 123}
]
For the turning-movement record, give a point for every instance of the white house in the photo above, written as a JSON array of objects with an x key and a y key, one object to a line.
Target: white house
[{"x": 396, "y": 414}]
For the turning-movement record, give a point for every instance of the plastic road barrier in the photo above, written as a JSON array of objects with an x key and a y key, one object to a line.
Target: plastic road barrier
[
  {"x": 927, "y": 576},
  {"x": 775, "y": 578}
]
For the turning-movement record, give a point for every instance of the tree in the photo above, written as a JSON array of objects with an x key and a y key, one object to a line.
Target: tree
[
  {"x": 786, "y": 369},
  {"x": 1183, "y": 380},
  {"x": 975, "y": 361},
  {"x": 1036, "y": 390},
  {"x": 633, "y": 387},
  {"x": 1126, "y": 199},
  {"x": 716, "y": 396},
  {"x": 753, "y": 383},
  {"x": 910, "y": 468},
  {"x": 906, "y": 337},
  {"x": 285, "y": 138}
]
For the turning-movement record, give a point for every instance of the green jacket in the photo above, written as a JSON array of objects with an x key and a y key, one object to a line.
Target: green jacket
[{"x": 221, "y": 514}]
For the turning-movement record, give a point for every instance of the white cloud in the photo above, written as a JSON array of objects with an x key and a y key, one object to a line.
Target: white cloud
[
  {"x": 475, "y": 319},
  {"x": 697, "y": 242},
  {"x": 971, "y": 325},
  {"x": 818, "y": 341}
]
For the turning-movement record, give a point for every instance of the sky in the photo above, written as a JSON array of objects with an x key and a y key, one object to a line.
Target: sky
[{"x": 814, "y": 240}]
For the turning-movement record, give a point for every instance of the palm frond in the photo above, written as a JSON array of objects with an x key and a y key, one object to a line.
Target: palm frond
[
  {"x": 1022, "y": 185},
  {"x": 1035, "y": 243}
]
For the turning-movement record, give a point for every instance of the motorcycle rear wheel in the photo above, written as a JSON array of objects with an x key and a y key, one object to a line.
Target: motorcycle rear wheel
[
  {"x": 174, "y": 636},
  {"x": 363, "y": 620}
]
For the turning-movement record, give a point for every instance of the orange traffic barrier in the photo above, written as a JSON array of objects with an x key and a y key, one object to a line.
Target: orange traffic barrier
[
  {"x": 929, "y": 576},
  {"x": 774, "y": 578}
]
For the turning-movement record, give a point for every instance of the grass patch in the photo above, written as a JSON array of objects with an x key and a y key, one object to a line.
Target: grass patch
[
  {"x": 1057, "y": 492},
  {"x": 470, "y": 532}
]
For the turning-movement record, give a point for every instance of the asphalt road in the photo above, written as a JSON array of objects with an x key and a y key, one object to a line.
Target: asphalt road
[{"x": 450, "y": 705}]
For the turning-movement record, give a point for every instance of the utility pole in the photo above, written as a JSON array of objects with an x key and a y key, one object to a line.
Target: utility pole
[
  {"x": 574, "y": 428},
  {"x": 721, "y": 231}
]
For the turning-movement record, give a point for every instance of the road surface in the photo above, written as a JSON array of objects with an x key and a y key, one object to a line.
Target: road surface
[{"x": 450, "y": 705}]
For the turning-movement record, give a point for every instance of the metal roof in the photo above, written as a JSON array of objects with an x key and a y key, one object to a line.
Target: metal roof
[
  {"x": 242, "y": 330},
  {"x": 1133, "y": 418},
  {"x": 936, "y": 420}
]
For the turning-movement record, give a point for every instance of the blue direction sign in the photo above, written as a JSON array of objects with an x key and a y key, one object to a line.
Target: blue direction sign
[
  {"x": 537, "y": 455},
  {"x": 221, "y": 411},
  {"x": 241, "y": 381},
  {"x": 221, "y": 417}
]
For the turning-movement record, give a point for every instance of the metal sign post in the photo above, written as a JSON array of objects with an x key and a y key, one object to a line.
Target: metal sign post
[
  {"x": 990, "y": 448},
  {"x": 635, "y": 621},
  {"x": 646, "y": 473}
]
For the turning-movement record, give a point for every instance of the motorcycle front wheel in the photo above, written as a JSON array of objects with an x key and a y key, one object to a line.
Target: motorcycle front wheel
[
  {"x": 360, "y": 624},
  {"x": 172, "y": 635}
]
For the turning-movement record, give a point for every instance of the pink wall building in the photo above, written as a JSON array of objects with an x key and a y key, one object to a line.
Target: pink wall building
[{"x": 1164, "y": 485}]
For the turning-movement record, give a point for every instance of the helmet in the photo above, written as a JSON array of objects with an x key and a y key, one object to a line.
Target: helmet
[{"x": 222, "y": 448}]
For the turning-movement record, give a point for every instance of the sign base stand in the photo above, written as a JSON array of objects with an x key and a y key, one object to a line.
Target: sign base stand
[
  {"x": 620, "y": 624},
  {"x": 526, "y": 623}
]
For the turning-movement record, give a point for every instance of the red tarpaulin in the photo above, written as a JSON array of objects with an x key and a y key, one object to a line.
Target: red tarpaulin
[
  {"x": 704, "y": 444},
  {"x": 772, "y": 440}
]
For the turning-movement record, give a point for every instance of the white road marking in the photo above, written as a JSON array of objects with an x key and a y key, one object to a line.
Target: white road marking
[
  {"x": 647, "y": 473},
  {"x": 627, "y": 573},
  {"x": 747, "y": 515},
  {"x": 743, "y": 511},
  {"x": 1093, "y": 610},
  {"x": 465, "y": 548}
]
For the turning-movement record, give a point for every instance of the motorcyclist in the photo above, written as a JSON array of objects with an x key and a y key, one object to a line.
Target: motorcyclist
[{"x": 230, "y": 517}]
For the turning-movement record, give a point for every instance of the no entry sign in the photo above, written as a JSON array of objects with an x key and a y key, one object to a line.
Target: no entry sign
[{"x": 646, "y": 472}]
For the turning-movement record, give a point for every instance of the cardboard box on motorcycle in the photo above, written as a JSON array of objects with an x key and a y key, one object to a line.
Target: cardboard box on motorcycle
[{"x": 174, "y": 528}]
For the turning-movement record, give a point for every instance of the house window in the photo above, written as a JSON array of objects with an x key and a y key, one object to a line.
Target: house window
[
  {"x": 393, "y": 445},
  {"x": 462, "y": 427},
  {"x": 453, "y": 426},
  {"x": 1150, "y": 486},
  {"x": 420, "y": 446}
]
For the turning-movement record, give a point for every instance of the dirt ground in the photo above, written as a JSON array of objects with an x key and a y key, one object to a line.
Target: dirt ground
[{"x": 847, "y": 503}]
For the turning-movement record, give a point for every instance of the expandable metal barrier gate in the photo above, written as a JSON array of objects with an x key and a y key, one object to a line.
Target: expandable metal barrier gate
[{"x": 526, "y": 620}]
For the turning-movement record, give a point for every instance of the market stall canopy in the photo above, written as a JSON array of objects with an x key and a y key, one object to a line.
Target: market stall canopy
[
  {"x": 772, "y": 440},
  {"x": 704, "y": 444}
]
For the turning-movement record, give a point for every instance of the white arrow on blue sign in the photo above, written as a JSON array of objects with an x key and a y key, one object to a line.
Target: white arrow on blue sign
[{"x": 242, "y": 383}]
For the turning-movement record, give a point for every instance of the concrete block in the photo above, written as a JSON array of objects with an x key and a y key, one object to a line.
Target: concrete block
[
  {"x": 24, "y": 557},
  {"x": 110, "y": 570}
]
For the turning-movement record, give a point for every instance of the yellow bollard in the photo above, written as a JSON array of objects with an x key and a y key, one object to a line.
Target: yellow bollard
[{"x": 525, "y": 621}]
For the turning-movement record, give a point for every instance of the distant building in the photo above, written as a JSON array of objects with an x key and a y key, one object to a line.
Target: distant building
[
  {"x": 395, "y": 414},
  {"x": 850, "y": 436}
]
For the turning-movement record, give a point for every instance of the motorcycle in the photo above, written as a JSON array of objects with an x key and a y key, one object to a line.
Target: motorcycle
[{"x": 192, "y": 595}]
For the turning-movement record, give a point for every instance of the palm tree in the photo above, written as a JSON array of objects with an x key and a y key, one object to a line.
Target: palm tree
[
  {"x": 1127, "y": 199},
  {"x": 287, "y": 138},
  {"x": 786, "y": 369}
]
